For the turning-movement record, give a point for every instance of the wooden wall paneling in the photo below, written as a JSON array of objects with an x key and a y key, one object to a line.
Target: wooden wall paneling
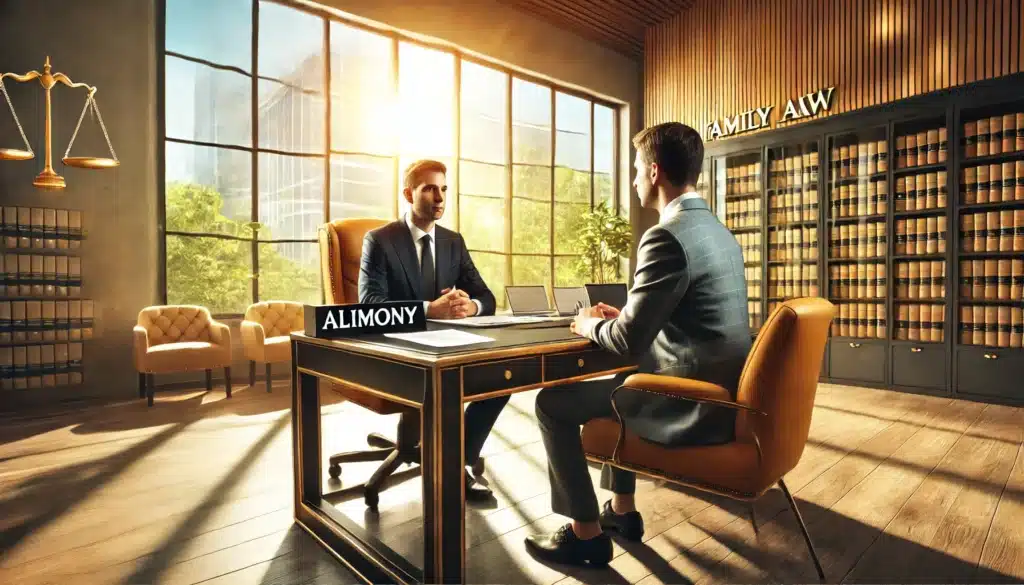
[
  {"x": 992, "y": 50},
  {"x": 1018, "y": 35},
  {"x": 970, "y": 40},
  {"x": 1013, "y": 35},
  {"x": 1002, "y": 24}
]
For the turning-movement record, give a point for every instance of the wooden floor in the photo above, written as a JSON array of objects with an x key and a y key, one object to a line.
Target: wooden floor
[{"x": 895, "y": 488}]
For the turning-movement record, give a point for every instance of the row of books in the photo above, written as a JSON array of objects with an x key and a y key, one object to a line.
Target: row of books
[
  {"x": 743, "y": 179},
  {"x": 756, "y": 318},
  {"x": 744, "y": 213},
  {"x": 927, "y": 147},
  {"x": 992, "y": 280},
  {"x": 857, "y": 281},
  {"x": 921, "y": 280},
  {"x": 868, "y": 198},
  {"x": 793, "y": 207},
  {"x": 751, "y": 245},
  {"x": 993, "y": 231},
  {"x": 993, "y": 183},
  {"x": 924, "y": 235},
  {"x": 994, "y": 135},
  {"x": 921, "y": 322},
  {"x": 921, "y": 192},
  {"x": 992, "y": 326},
  {"x": 793, "y": 171},
  {"x": 793, "y": 281},
  {"x": 859, "y": 160},
  {"x": 35, "y": 227},
  {"x": 40, "y": 321},
  {"x": 793, "y": 244},
  {"x": 39, "y": 275},
  {"x": 864, "y": 320},
  {"x": 862, "y": 240},
  {"x": 753, "y": 277},
  {"x": 40, "y": 366}
]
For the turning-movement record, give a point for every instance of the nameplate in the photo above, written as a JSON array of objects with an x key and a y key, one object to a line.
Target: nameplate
[{"x": 334, "y": 321}]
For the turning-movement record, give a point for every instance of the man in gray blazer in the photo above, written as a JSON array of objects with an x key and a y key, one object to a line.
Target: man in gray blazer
[{"x": 686, "y": 316}]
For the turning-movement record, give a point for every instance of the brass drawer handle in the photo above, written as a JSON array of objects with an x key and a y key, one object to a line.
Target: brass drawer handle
[
  {"x": 915, "y": 350},
  {"x": 991, "y": 356},
  {"x": 854, "y": 345},
  {"x": 508, "y": 374},
  {"x": 579, "y": 362}
]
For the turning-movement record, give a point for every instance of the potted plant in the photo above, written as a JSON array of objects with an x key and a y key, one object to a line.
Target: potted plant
[{"x": 604, "y": 237}]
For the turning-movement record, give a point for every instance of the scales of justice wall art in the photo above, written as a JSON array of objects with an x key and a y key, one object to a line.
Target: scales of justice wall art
[{"x": 48, "y": 178}]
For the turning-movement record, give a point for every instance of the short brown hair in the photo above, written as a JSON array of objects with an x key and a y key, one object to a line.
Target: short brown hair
[
  {"x": 416, "y": 169},
  {"x": 676, "y": 148}
]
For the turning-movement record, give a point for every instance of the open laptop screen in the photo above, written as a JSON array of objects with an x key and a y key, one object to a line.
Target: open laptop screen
[
  {"x": 613, "y": 295},
  {"x": 566, "y": 298},
  {"x": 527, "y": 299}
]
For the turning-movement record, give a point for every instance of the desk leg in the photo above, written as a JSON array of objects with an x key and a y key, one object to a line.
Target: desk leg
[
  {"x": 442, "y": 462},
  {"x": 306, "y": 437}
]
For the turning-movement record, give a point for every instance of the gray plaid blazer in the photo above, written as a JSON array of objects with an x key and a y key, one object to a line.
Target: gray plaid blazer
[{"x": 686, "y": 316}]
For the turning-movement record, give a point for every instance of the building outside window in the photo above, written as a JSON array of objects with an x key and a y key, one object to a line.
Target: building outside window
[{"x": 256, "y": 158}]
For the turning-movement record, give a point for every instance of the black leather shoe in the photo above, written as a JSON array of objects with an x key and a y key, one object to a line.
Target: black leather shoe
[
  {"x": 564, "y": 547},
  {"x": 630, "y": 525},
  {"x": 476, "y": 492}
]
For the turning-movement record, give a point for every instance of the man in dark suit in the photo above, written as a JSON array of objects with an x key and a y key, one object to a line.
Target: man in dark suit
[
  {"x": 416, "y": 259},
  {"x": 686, "y": 316}
]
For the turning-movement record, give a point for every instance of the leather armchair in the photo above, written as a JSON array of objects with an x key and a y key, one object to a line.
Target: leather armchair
[
  {"x": 773, "y": 405},
  {"x": 341, "y": 247},
  {"x": 180, "y": 338},
  {"x": 265, "y": 334}
]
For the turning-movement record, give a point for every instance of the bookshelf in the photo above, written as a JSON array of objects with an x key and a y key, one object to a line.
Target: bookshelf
[
  {"x": 989, "y": 259},
  {"x": 739, "y": 195}
]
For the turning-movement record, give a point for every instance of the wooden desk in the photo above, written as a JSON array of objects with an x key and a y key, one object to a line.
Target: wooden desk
[{"x": 438, "y": 382}]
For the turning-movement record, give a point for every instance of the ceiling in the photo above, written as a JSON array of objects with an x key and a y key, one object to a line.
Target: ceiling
[{"x": 617, "y": 24}]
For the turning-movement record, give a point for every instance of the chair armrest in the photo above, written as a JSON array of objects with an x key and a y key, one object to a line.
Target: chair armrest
[
  {"x": 683, "y": 389},
  {"x": 220, "y": 334},
  {"x": 253, "y": 333},
  {"x": 140, "y": 345}
]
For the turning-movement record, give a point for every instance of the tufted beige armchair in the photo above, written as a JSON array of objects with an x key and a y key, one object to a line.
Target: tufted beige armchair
[
  {"x": 180, "y": 338},
  {"x": 265, "y": 334}
]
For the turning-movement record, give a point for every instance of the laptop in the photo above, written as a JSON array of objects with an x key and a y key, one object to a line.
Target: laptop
[
  {"x": 613, "y": 295},
  {"x": 529, "y": 300},
  {"x": 566, "y": 298}
]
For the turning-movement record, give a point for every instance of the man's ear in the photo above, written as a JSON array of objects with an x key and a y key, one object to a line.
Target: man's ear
[
  {"x": 654, "y": 171},
  {"x": 407, "y": 193}
]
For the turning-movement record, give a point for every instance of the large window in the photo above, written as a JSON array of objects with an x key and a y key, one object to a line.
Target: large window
[{"x": 318, "y": 123}]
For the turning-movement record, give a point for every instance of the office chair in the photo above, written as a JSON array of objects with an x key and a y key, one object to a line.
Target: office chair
[
  {"x": 341, "y": 245},
  {"x": 773, "y": 405}
]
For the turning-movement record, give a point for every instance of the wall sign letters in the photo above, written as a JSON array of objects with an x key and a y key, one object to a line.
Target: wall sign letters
[
  {"x": 804, "y": 106},
  {"x": 334, "y": 321}
]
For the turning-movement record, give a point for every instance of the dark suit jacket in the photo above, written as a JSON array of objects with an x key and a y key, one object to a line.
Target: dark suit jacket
[
  {"x": 390, "y": 270},
  {"x": 686, "y": 316}
]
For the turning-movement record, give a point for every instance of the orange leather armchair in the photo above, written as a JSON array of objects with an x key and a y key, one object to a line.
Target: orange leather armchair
[
  {"x": 341, "y": 246},
  {"x": 773, "y": 406}
]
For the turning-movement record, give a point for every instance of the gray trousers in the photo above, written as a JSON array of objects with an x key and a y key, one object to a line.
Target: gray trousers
[{"x": 561, "y": 411}]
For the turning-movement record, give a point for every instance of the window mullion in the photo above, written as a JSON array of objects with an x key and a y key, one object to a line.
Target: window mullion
[{"x": 254, "y": 189}]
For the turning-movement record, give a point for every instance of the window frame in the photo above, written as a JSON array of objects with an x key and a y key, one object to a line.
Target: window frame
[{"x": 329, "y": 16}]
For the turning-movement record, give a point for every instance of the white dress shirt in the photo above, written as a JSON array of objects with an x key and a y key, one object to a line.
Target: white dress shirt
[
  {"x": 588, "y": 325},
  {"x": 417, "y": 242}
]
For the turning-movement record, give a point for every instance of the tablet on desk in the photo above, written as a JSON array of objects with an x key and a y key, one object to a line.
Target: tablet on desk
[
  {"x": 613, "y": 295},
  {"x": 566, "y": 298}
]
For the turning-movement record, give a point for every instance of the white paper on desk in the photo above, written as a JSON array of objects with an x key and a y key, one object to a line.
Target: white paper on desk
[
  {"x": 441, "y": 338},
  {"x": 490, "y": 320}
]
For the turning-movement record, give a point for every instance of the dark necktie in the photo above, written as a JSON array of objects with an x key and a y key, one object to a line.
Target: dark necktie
[{"x": 427, "y": 270}]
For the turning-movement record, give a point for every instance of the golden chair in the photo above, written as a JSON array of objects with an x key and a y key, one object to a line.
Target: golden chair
[
  {"x": 265, "y": 334},
  {"x": 341, "y": 246},
  {"x": 773, "y": 406},
  {"x": 180, "y": 338}
]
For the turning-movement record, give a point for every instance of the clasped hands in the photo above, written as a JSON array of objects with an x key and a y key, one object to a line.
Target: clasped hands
[
  {"x": 598, "y": 311},
  {"x": 452, "y": 304}
]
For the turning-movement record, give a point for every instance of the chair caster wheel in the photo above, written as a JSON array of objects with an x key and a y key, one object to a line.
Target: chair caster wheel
[
  {"x": 371, "y": 498},
  {"x": 478, "y": 467},
  {"x": 334, "y": 470}
]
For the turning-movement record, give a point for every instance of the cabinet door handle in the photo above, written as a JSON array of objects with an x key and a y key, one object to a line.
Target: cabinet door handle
[
  {"x": 854, "y": 345},
  {"x": 991, "y": 356},
  {"x": 508, "y": 374},
  {"x": 579, "y": 362},
  {"x": 915, "y": 350}
]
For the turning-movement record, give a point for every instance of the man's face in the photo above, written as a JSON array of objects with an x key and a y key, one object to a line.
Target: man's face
[
  {"x": 646, "y": 174},
  {"x": 427, "y": 198}
]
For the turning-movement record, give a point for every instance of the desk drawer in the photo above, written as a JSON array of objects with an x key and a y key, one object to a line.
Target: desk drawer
[
  {"x": 919, "y": 366},
  {"x": 560, "y": 366},
  {"x": 990, "y": 372},
  {"x": 501, "y": 375},
  {"x": 857, "y": 360}
]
